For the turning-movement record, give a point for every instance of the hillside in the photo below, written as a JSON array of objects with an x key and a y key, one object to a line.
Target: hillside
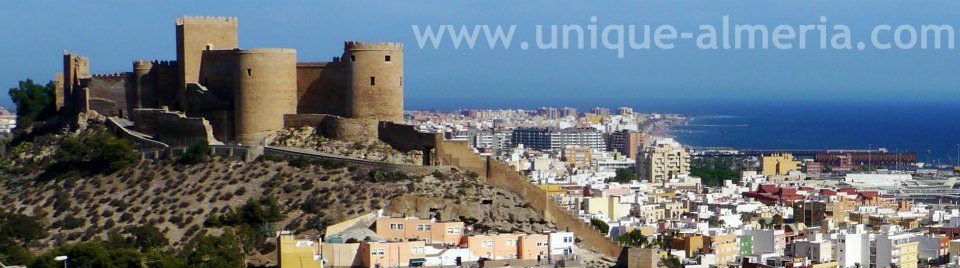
[{"x": 210, "y": 196}]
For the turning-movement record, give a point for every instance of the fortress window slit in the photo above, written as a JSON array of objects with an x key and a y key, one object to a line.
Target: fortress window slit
[
  {"x": 373, "y": 81},
  {"x": 386, "y": 58},
  {"x": 353, "y": 58},
  {"x": 249, "y": 72}
]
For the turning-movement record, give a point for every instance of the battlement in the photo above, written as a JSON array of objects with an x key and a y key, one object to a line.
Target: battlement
[
  {"x": 111, "y": 75},
  {"x": 68, "y": 53},
  {"x": 205, "y": 19},
  {"x": 147, "y": 64},
  {"x": 356, "y": 45}
]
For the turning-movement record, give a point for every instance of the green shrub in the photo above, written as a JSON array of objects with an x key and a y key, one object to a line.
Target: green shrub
[
  {"x": 197, "y": 153},
  {"x": 98, "y": 153}
]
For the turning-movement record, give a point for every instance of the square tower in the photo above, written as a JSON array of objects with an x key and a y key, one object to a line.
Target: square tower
[{"x": 196, "y": 34}]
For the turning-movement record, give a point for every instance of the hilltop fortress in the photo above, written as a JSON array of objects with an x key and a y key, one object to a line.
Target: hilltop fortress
[
  {"x": 217, "y": 91},
  {"x": 220, "y": 93}
]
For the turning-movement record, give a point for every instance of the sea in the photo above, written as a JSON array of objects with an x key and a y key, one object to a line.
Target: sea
[{"x": 929, "y": 128}]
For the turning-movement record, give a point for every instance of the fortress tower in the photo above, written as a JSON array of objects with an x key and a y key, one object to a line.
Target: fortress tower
[
  {"x": 265, "y": 89},
  {"x": 375, "y": 81},
  {"x": 75, "y": 69},
  {"x": 196, "y": 34},
  {"x": 144, "y": 82}
]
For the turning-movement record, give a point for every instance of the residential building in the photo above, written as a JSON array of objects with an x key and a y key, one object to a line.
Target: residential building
[
  {"x": 8, "y": 121},
  {"x": 663, "y": 160},
  {"x": 392, "y": 253},
  {"x": 778, "y": 164},
  {"x": 543, "y": 139},
  {"x": 297, "y": 253},
  {"x": 627, "y": 142},
  {"x": 894, "y": 247}
]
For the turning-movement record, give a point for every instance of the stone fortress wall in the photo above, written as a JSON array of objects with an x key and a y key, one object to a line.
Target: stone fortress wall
[
  {"x": 457, "y": 153},
  {"x": 243, "y": 94}
]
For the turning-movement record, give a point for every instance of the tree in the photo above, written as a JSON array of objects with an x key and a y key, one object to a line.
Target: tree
[
  {"x": 762, "y": 222},
  {"x": 148, "y": 237},
  {"x": 34, "y": 102},
  {"x": 777, "y": 219},
  {"x": 215, "y": 251},
  {"x": 265, "y": 210},
  {"x": 623, "y": 175},
  {"x": 97, "y": 153},
  {"x": 18, "y": 228},
  {"x": 599, "y": 224},
  {"x": 634, "y": 238},
  {"x": 745, "y": 217},
  {"x": 197, "y": 152}
]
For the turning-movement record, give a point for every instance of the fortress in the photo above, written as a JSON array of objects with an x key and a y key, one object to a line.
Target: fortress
[{"x": 217, "y": 91}]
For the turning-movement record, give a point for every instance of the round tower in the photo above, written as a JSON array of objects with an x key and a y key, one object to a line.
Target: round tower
[
  {"x": 265, "y": 90},
  {"x": 376, "y": 81},
  {"x": 143, "y": 82}
]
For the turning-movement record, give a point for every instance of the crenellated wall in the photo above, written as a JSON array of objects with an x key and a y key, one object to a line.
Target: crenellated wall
[{"x": 108, "y": 94}]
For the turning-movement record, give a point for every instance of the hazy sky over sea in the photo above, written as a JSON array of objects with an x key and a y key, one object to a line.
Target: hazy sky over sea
[{"x": 113, "y": 33}]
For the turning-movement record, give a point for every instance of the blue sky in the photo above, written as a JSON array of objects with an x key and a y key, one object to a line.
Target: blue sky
[{"x": 113, "y": 33}]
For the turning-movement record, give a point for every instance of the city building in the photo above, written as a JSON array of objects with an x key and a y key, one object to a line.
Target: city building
[
  {"x": 600, "y": 111},
  {"x": 8, "y": 121},
  {"x": 297, "y": 253},
  {"x": 779, "y": 164},
  {"x": 543, "y": 139},
  {"x": 663, "y": 160},
  {"x": 626, "y": 142}
]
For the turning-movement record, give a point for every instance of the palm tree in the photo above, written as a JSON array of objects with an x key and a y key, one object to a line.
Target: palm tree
[
  {"x": 762, "y": 222},
  {"x": 777, "y": 219}
]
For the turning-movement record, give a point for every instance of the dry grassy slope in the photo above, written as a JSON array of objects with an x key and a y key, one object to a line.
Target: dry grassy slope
[{"x": 180, "y": 198}]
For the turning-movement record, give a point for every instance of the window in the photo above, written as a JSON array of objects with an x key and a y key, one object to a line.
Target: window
[
  {"x": 568, "y": 239},
  {"x": 542, "y": 243},
  {"x": 353, "y": 58},
  {"x": 400, "y": 226},
  {"x": 452, "y": 230},
  {"x": 373, "y": 81},
  {"x": 376, "y": 252},
  {"x": 486, "y": 244},
  {"x": 423, "y": 227},
  {"x": 393, "y": 226},
  {"x": 386, "y": 58},
  {"x": 417, "y": 250},
  {"x": 249, "y": 72},
  {"x": 511, "y": 243}
]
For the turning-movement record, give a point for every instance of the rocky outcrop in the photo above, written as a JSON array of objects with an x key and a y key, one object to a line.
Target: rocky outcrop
[{"x": 375, "y": 150}]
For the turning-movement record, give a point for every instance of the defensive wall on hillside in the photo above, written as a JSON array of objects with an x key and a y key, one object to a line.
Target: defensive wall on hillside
[{"x": 499, "y": 174}]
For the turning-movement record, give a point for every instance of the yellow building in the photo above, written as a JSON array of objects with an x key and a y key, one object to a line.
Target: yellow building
[
  {"x": 663, "y": 160},
  {"x": 691, "y": 244},
  {"x": 609, "y": 206},
  {"x": 293, "y": 253},
  {"x": 724, "y": 246},
  {"x": 779, "y": 164}
]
